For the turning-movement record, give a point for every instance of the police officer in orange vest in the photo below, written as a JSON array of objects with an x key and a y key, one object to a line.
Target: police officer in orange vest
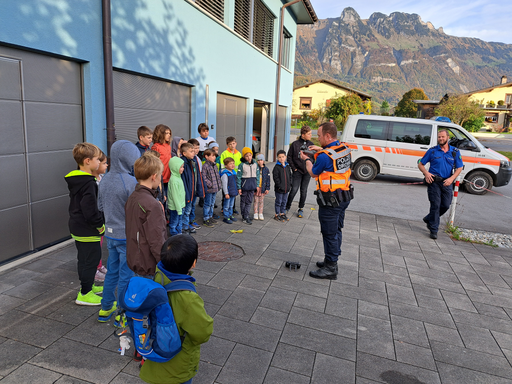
[{"x": 331, "y": 169}]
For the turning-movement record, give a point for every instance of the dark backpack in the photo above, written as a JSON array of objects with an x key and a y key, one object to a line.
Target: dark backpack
[{"x": 150, "y": 318}]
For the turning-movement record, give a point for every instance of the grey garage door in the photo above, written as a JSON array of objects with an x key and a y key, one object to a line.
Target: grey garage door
[
  {"x": 281, "y": 127},
  {"x": 231, "y": 115},
  {"x": 41, "y": 121},
  {"x": 140, "y": 100}
]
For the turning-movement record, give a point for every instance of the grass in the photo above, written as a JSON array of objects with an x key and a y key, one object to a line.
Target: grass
[
  {"x": 507, "y": 154},
  {"x": 456, "y": 234}
]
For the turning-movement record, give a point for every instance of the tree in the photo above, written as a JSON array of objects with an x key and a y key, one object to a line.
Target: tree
[
  {"x": 462, "y": 111},
  {"x": 343, "y": 106},
  {"x": 384, "y": 108},
  {"x": 405, "y": 107}
]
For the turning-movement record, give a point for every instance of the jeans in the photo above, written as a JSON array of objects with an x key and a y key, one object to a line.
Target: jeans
[
  {"x": 89, "y": 256},
  {"x": 186, "y": 215},
  {"x": 299, "y": 180},
  {"x": 440, "y": 198},
  {"x": 331, "y": 222},
  {"x": 280, "y": 205},
  {"x": 209, "y": 202},
  {"x": 118, "y": 272},
  {"x": 246, "y": 202},
  {"x": 227, "y": 207},
  {"x": 192, "y": 216},
  {"x": 175, "y": 222}
]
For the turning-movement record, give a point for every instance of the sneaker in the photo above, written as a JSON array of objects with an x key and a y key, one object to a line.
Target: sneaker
[
  {"x": 433, "y": 235},
  {"x": 300, "y": 213},
  {"x": 213, "y": 221},
  {"x": 246, "y": 220},
  {"x": 233, "y": 219},
  {"x": 227, "y": 220},
  {"x": 277, "y": 217},
  {"x": 120, "y": 321},
  {"x": 287, "y": 210},
  {"x": 283, "y": 218},
  {"x": 100, "y": 276},
  {"x": 191, "y": 230},
  {"x": 103, "y": 270},
  {"x": 184, "y": 231},
  {"x": 105, "y": 315},
  {"x": 256, "y": 217},
  {"x": 195, "y": 225},
  {"x": 88, "y": 299},
  {"x": 261, "y": 216},
  {"x": 97, "y": 289},
  {"x": 235, "y": 212},
  {"x": 208, "y": 223},
  {"x": 216, "y": 217}
]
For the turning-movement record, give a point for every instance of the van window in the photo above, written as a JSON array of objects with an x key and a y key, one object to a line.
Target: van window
[
  {"x": 371, "y": 129},
  {"x": 411, "y": 133}
]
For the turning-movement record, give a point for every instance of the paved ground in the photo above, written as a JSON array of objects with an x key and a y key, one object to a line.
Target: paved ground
[{"x": 405, "y": 309}]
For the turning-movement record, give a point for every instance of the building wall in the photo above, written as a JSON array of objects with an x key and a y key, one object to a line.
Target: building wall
[
  {"x": 495, "y": 95},
  {"x": 319, "y": 93}
]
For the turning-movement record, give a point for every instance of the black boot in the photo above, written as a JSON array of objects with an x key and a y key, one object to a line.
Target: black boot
[
  {"x": 320, "y": 264},
  {"x": 328, "y": 271}
]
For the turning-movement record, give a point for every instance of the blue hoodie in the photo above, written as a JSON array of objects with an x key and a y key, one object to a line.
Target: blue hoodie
[
  {"x": 192, "y": 180},
  {"x": 116, "y": 186}
]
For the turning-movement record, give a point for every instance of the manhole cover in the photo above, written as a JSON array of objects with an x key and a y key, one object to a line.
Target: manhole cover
[{"x": 219, "y": 251}]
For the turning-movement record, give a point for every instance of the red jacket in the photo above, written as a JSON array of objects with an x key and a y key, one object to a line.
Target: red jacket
[{"x": 165, "y": 155}]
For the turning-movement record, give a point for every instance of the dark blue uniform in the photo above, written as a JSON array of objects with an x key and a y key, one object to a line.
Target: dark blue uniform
[{"x": 442, "y": 165}]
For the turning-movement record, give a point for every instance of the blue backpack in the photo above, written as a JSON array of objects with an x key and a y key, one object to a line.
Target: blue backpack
[{"x": 150, "y": 319}]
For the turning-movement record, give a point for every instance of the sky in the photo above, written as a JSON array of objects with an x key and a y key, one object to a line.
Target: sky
[{"x": 484, "y": 19}]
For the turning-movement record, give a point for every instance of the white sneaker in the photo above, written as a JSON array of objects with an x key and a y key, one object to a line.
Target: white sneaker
[
  {"x": 255, "y": 216},
  {"x": 261, "y": 216},
  {"x": 103, "y": 270},
  {"x": 99, "y": 276}
]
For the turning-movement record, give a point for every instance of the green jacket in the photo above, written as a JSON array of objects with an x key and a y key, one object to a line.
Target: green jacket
[
  {"x": 176, "y": 189},
  {"x": 192, "y": 319},
  {"x": 237, "y": 156}
]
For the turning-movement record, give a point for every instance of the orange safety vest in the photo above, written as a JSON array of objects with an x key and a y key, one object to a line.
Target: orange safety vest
[{"x": 340, "y": 178}]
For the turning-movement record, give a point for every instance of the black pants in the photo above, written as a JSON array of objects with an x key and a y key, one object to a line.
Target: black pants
[
  {"x": 245, "y": 203},
  {"x": 440, "y": 198},
  {"x": 89, "y": 256},
  {"x": 299, "y": 180}
]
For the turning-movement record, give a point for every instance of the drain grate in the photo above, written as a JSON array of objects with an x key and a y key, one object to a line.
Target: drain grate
[{"x": 219, "y": 251}]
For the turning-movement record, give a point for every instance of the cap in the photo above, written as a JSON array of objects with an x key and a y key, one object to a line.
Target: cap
[
  {"x": 213, "y": 144},
  {"x": 260, "y": 157}
]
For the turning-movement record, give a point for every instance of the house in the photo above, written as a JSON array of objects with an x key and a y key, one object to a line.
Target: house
[
  {"x": 96, "y": 70},
  {"x": 317, "y": 95},
  {"x": 426, "y": 108}
]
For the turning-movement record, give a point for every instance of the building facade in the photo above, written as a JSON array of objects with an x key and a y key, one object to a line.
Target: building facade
[{"x": 176, "y": 62}]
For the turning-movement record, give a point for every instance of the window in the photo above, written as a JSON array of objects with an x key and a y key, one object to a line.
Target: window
[
  {"x": 243, "y": 13},
  {"x": 371, "y": 129},
  {"x": 215, "y": 7},
  {"x": 305, "y": 103},
  {"x": 491, "y": 118},
  {"x": 286, "y": 49},
  {"x": 508, "y": 99},
  {"x": 411, "y": 133},
  {"x": 263, "y": 28}
]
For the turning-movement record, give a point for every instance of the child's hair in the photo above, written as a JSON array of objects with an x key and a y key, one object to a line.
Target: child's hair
[
  {"x": 228, "y": 160},
  {"x": 208, "y": 153},
  {"x": 202, "y": 127},
  {"x": 102, "y": 157},
  {"x": 152, "y": 152},
  {"x": 146, "y": 166},
  {"x": 179, "y": 253},
  {"x": 305, "y": 129},
  {"x": 193, "y": 142},
  {"x": 159, "y": 133},
  {"x": 143, "y": 131},
  {"x": 281, "y": 151},
  {"x": 185, "y": 147},
  {"x": 230, "y": 139},
  {"x": 83, "y": 151}
]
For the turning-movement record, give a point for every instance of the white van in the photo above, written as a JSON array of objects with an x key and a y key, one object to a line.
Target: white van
[{"x": 393, "y": 146}]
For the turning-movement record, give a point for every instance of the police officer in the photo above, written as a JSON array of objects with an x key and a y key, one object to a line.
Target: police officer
[
  {"x": 334, "y": 192},
  {"x": 445, "y": 165}
]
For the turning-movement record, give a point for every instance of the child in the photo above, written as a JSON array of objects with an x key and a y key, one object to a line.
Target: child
[
  {"x": 162, "y": 144},
  {"x": 86, "y": 222},
  {"x": 145, "y": 219},
  {"x": 264, "y": 187},
  {"x": 101, "y": 271},
  {"x": 214, "y": 146},
  {"x": 203, "y": 139},
  {"x": 282, "y": 174},
  {"x": 213, "y": 184},
  {"x": 232, "y": 152},
  {"x": 199, "y": 162},
  {"x": 193, "y": 182},
  {"x": 229, "y": 190},
  {"x": 248, "y": 179},
  {"x": 176, "y": 196},
  {"x": 145, "y": 136},
  {"x": 114, "y": 190},
  {"x": 179, "y": 257},
  {"x": 160, "y": 189},
  {"x": 175, "y": 146}
]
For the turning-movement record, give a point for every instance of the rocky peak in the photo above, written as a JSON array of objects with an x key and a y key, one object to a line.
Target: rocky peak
[
  {"x": 349, "y": 16},
  {"x": 399, "y": 23}
]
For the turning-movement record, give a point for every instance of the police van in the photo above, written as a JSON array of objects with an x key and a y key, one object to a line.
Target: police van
[{"x": 393, "y": 146}]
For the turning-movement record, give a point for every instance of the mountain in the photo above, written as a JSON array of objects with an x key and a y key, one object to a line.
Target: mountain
[{"x": 386, "y": 56}]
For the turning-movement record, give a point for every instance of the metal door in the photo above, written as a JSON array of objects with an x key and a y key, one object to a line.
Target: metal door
[{"x": 231, "y": 116}]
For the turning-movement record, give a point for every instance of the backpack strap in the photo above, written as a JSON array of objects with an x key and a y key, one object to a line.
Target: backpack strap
[{"x": 180, "y": 285}]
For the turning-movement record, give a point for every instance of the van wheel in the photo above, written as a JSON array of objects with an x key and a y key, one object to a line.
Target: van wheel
[
  {"x": 479, "y": 180},
  {"x": 365, "y": 170}
]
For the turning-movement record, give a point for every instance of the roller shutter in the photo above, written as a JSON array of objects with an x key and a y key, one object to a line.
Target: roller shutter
[{"x": 231, "y": 116}]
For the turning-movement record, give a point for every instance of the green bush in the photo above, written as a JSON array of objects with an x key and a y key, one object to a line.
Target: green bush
[{"x": 474, "y": 125}]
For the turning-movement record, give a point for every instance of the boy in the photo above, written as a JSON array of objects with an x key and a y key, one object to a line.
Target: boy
[
  {"x": 248, "y": 179},
  {"x": 179, "y": 257},
  {"x": 213, "y": 184},
  {"x": 203, "y": 139},
  {"x": 176, "y": 196},
  {"x": 229, "y": 190},
  {"x": 264, "y": 187},
  {"x": 214, "y": 146},
  {"x": 199, "y": 163},
  {"x": 114, "y": 190},
  {"x": 232, "y": 152},
  {"x": 282, "y": 174},
  {"x": 145, "y": 219},
  {"x": 145, "y": 136},
  {"x": 193, "y": 182},
  {"x": 101, "y": 271},
  {"x": 86, "y": 222}
]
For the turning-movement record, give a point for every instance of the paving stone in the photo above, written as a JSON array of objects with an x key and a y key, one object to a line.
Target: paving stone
[
  {"x": 242, "y": 303},
  {"x": 479, "y": 339},
  {"x": 393, "y": 270},
  {"x": 245, "y": 365},
  {"x": 251, "y": 269},
  {"x": 207, "y": 373},
  {"x": 323, "y": 322},
  {"x": 431, "y": 303},
  {"x": 28, "y": 373},
  {"x": 427, "y": 291},
  {"x": 30, "y": 329},
  {"x": 401, "y": 294},
  {"x": 91, "y": 364},
  {"x": 52, "y": 300},
  {"x": 374, "y": 336},
  {"x": 57, "y": 276},
  {"x": 285, "y": 256},
  {"x": 255, "y": 282},
  {"x": 492, "y": 299},
  {"x": 91, "y": 331},
  {"x": 18, "y": 276},
  {"x": 203, "y": 277},
  {"x": 68, "y": 265},
  {"x": 73, "y": 314},
  {"x": 421, "y": 314},
  {"x": 294, "y": 359},
  {"x": 43, "y": 264},
  {"x": 70, "y": 380},
  {"x": 28, "y": 290},
  {"x": 132, "y": 368},
  {"x": 279, "y": 376},
  {"x": 312, "y": 303},
  {"x": 491, "y": 310},
  {"x": 269, "y": 318},
  {"x": 359, "y": 293},
  {"x": 415, "y": 355},
  {"x": 482, "y": 321},
  {"x": 209, "y": 266},
  {"x": 246, "y": 333},
  {"x": 504, "y": 340},
  {"x": 493, "y": 279},
  {"x": 409, "y": 331},
  {"x": 8, "y": 302},
  {"x": 373, "y": 310},
  {"x": 216, "y": 350},
  {"x": 433, "y": 274},
  {"x": 228, "y": 280},
  {"x": 111, "y": 344},
  {"x": 213, "y": 295},
  {"x": 329, "y": 369},
  {"x": 13, "y": 354},
  {"x": 65, "y": 254},
  {"x": 458, "y": 375},
  {"x": 387, "y": 278},
  {"x": 389, "y": 371},
  {"x": 278, "y": 299},
  {"x": 341, "y": 306},
  {"x": 211, "y": 309},
  {"x": 123, "y": 378},
  {"x": 310, "y": 288},
  {"x": 5, "y": 287},
  {"x": 472, "y": 282},
  {"x": 270, "y": 262},
  {"x": 440, "y": 265}
]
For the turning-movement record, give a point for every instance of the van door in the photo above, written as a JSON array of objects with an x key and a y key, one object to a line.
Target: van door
[
  {"x": 458, "y": 139},
  {"x": 406, "y": 144}
]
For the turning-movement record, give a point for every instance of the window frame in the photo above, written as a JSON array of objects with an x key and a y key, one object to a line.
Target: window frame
[
  {"x": 391, "y": 136},
  {"x": 301, "y": 103}
]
